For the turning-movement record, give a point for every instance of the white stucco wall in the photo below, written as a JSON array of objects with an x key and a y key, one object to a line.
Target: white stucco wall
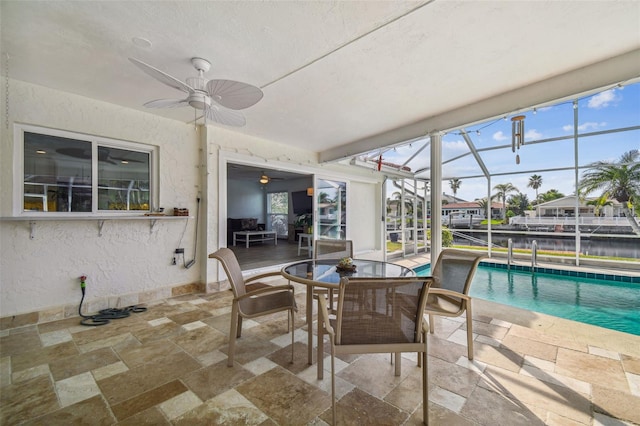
[
  {"x": 129, "y": 259},
  {"x": 43, "y": 273}
]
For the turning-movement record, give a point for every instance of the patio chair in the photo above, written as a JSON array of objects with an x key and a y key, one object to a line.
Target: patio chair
[
  {"x": 331, "y": 249},
  {"x": 388, "y": 318},
  {"x": 449, "y": 293},
  {"x": 263, "y": 300}
]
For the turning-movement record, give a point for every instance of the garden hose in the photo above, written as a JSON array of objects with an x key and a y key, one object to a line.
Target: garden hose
[{"x": 104, "y": 316}]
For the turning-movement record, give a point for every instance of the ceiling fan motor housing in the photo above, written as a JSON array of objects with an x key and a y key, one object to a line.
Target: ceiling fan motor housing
[{"x": 199, "y": 100}]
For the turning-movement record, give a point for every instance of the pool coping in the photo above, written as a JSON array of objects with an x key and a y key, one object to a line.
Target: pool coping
[{"x": 556, "y": 271}]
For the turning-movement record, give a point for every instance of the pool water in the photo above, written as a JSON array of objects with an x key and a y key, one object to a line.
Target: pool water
[{"x": 605, "y": 303}]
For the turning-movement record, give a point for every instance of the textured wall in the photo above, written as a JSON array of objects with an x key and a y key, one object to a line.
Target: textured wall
[
  {"x": 129, "y": 263},
  {"x": 128, "y": 258}
]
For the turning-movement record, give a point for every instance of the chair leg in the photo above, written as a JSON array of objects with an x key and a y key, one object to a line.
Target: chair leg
[
  {"x": 235, "y": 320},
  {"x": 425, "y": 388},
  {"x": 320, "y": 351},
  {"x": 469, "y": 332},
  {"x": 398, "y": 357},
  {"x": 239, "y": 326},
  {"x": 333, "y": 384},
  {"x": 292, "y": 332},
  {"x": 331, "y": 299},
  {"x": 431, "y": 324}
]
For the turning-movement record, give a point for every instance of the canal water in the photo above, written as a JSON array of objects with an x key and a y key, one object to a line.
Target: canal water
[{"x": 595, "y": 246}]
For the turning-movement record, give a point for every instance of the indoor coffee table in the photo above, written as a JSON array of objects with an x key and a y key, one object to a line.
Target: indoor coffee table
[{"x": 262, "y": 236}]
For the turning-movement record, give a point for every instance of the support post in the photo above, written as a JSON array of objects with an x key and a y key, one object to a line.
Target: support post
[{"x": 436, "y": 195}]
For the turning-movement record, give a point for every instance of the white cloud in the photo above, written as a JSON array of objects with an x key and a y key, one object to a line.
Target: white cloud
[
  {"x": 532, "y": 134},
  {"x": 455, "y": 146},
  {"x": 499, "y": 136},
  {"x": 591, "y": 125},
  {"x": 603, "y": 99}
]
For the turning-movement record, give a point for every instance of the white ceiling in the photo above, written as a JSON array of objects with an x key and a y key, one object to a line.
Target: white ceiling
[{"x": 339, "y": 77}]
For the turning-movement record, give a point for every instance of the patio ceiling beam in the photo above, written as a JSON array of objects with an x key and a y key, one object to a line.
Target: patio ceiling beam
[
  {"x": 588, "y": 79},
  {"x": 386, "y": 170}
]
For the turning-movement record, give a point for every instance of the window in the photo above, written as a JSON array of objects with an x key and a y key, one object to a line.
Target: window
[
  {"x": 278, "y": 212},
  {"x": 73, "y": 173}
]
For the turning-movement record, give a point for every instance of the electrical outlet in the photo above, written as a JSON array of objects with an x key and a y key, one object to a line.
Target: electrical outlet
[
  {"x": 179, "y": 251},
  {"x": 174, "y": 262}
]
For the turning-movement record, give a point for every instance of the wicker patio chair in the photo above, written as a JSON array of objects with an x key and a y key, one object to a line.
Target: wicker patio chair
[
  {"x": 449, "y": 293},
  {"x": 264, "y": 300},
  {"x": 387, "y": 318}
]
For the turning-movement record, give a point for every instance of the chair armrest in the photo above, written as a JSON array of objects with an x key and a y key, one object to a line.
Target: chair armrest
[
  {"x": 322, "y": 308},
  {"x": 446, "y": 292},
  {"x": 270, "y": 289},
  {"x": 263, "y": 275}
]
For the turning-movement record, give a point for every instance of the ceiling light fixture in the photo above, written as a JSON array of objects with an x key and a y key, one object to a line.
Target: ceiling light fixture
[
  {"x": 41, "y": 151},
  {"x": 264, "y": 179}
]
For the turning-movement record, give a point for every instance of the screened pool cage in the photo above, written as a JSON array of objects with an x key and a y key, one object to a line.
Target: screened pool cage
[{"x": 513, "y": 185}]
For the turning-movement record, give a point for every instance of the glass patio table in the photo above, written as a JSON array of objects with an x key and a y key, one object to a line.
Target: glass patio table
[{"x": 323, "y": 273}]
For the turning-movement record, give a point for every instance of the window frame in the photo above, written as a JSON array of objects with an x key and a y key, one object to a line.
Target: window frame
[{"x": 96, "y": 141}]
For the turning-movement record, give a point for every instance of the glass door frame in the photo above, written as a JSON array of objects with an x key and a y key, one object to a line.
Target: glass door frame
[{"x": 342, "y": 201}]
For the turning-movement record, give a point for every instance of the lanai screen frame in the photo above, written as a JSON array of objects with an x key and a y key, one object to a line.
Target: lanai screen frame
[{"x": 419, "y": 146}]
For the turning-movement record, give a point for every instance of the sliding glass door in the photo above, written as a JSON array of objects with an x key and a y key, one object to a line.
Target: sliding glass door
[{"x": 331, "y": 209}]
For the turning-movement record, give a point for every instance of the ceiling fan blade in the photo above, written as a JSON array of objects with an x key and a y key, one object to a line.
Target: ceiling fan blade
[
  {"x": 225, "y": 116},
  {"x": 162, "y": 76},
  {"x": 167, "y": 103},
  {"x": 234, "y": 94}
]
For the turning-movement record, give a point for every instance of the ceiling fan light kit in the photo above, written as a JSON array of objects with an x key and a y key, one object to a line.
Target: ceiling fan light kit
[{"x": 218, "y": 99}]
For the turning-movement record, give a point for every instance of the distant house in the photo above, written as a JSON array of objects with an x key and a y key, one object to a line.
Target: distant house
[
  {"x": 468, "y": 208},
  {"x": 566, "y": 207}
]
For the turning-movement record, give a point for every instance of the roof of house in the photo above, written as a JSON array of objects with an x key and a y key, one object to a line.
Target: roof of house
[{"x": 570, "y": 201}]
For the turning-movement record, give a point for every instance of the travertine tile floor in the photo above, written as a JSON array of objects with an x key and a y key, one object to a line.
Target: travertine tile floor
[{"x": 168, "y": 366}]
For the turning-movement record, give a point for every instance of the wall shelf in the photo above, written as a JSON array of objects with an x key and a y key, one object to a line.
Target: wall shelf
[{"x": 100, "y": 219}]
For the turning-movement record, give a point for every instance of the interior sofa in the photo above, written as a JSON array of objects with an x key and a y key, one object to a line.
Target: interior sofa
[{"x": 242, "y": 224}]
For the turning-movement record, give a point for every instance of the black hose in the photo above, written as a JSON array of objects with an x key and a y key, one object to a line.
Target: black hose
[
  {"x": 195, "y": 243},
  {"x": 105, "y": 316}
]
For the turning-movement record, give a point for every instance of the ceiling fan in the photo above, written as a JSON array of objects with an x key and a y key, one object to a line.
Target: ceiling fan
[
  {"x": 264, "y": 179},
  {"x": 218, "y": 99}
]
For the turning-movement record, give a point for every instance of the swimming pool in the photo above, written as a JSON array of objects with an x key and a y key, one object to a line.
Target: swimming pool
[{"x": 607, "y": 301}]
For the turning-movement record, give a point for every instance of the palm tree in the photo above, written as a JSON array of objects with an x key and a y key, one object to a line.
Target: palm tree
[
  {"x": 535, "y": 182},
  {"x": 503, "y": 190},
  {"x": 455, "y": 185},
  {"x": 519, "y": 203},
  {"x": 599, "y": 203},
  {"x": 485, "y": 206},
  {"x": 552, "y": 194},
  {"x": 618, "y": 180}
]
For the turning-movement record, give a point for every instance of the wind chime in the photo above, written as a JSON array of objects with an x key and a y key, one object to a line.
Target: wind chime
[{"x": 517, "y": 135}]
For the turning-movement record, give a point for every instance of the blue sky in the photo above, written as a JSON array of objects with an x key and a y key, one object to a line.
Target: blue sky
[{"x": 614, "y": 108}]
